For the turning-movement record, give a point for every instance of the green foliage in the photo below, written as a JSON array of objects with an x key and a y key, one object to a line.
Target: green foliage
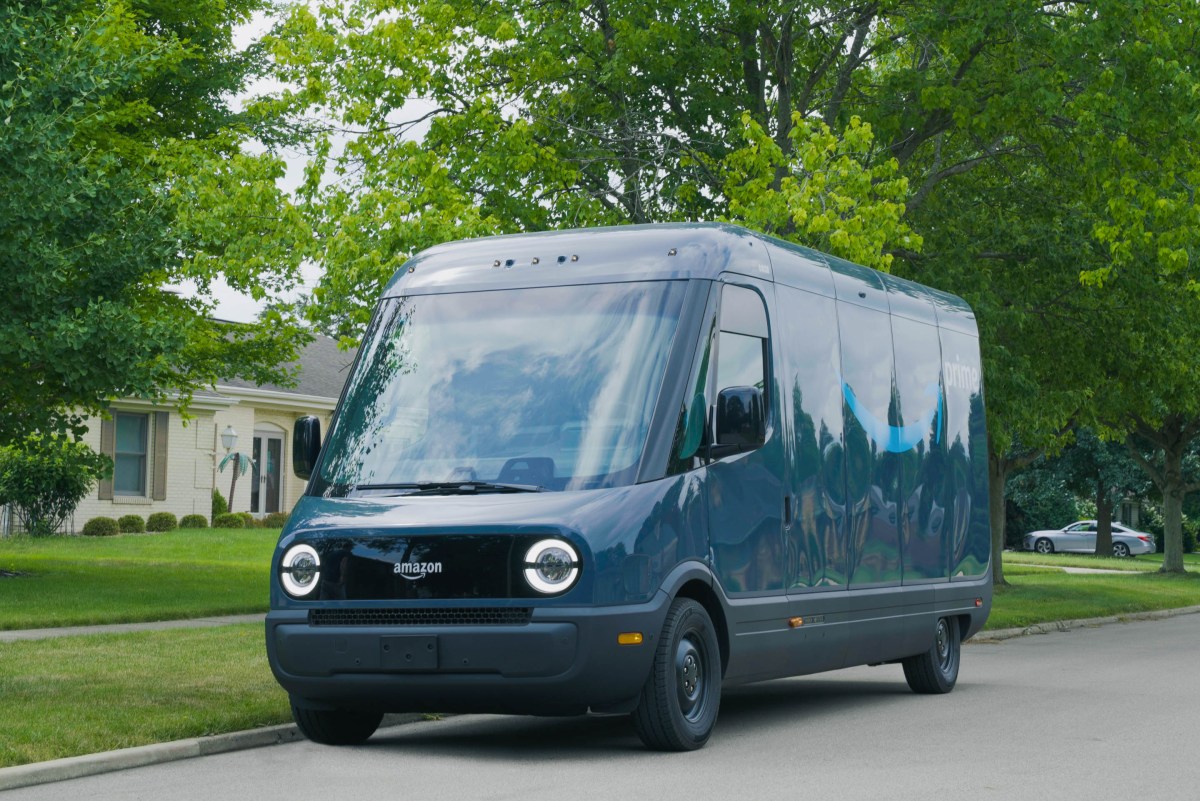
[
  {"x": 122, "y": 171},
  {"x": 274, "y": 520},
  {"x": 247, "y": 518},
  {"x": 161, "y": 521},
  {"x": 193, "y": 521},
  {"x": 229, "y": 520},
  {"x": 131, "y": 524},
  {"x": 1152, "y": 523},
  {"x": 43, "y": 479},
  {"x": 101, "y": 527},
  {"x": 219, "y": 505},
  {"x": 544, "y": 116},
  {"x": 1038, "y": 499}
]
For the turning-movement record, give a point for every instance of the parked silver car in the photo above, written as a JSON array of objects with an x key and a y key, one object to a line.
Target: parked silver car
[{"x": 1081, "y": 538}]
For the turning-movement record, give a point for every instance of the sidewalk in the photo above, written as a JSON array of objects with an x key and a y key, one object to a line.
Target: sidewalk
[{"x": 125, "y": 628}]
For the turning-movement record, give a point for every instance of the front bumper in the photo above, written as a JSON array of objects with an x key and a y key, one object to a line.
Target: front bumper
[{"x": 564, "y": 661}]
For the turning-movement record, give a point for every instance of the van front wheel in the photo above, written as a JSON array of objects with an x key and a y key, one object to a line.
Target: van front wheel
[
  {"x": 336, "y": 726},
  {"x": 936, "y": 670},
  {"x": 679, "y": 702}
]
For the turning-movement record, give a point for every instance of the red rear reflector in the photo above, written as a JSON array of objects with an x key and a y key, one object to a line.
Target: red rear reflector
[{"x": 978, "y": 602}]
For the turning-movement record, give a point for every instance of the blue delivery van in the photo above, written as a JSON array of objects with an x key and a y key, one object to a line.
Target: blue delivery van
[{"x": 614, "y": 470}]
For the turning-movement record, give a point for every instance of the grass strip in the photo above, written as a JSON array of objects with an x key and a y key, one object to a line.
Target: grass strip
[
  {"x": 1037, "y": 595},
  {"x": 81, "y": 695},
  {"x": 78, "y": 581}
]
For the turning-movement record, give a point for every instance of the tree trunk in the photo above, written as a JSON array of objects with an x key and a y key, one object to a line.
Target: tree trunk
[
  {"x": 233, "y": 485},
  {"x": 998, "y": 470},
  {"x": 1104, "y": 510},
  {"x": 1172, "y": 521}
]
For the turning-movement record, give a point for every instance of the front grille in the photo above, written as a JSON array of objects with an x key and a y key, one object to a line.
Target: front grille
[{"x": 469, "y": 616}]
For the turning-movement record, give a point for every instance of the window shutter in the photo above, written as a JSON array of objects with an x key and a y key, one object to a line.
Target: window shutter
[
  {"x": 108, "y": 447},
  {"x": 162, "y": 421}
]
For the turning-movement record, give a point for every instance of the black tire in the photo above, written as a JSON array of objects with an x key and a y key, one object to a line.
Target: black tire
[
  {"x": 1120, "y": 550},
  {"x": 336, "y": 726},
  {"x": 1043, "y": 546},
  {"x": 682, "y": 694},
  {"x": 936, "y": 671}
]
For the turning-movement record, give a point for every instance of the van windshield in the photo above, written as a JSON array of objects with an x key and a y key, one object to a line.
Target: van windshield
[{"x": 549, "y": 387}]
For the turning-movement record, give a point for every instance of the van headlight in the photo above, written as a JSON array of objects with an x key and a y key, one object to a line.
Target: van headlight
[
  {"x": 300, "y": 570},
  {"x": 551, "y": 566}
]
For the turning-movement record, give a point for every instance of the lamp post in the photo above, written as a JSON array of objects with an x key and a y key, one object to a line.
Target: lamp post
[
  {"x": 241, "y": 462},
  {"x": 229, "y": 438}
]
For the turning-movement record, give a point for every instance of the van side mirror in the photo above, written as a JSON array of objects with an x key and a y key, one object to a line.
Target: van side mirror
[
  {"x": 741, "y": 424},
  {"x": 306, "y": 445}
]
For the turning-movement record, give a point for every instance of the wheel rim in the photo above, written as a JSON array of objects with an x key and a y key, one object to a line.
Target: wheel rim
[
  {"x": 1043, "y": 546},
  {"x": 689, "y": 677},
  {"x": 945, "y": 651},
  {"x": 1120, "y": 550}
]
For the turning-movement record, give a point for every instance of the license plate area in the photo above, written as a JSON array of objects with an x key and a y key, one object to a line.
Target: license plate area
[{"x": 408, "y": 652}]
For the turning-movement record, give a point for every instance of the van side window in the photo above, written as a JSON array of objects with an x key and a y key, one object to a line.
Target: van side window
[{"x": 742, "y": 348}]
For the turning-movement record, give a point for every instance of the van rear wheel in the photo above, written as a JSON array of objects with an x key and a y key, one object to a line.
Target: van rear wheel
[
  {"x": 336, "y": 726},
  {"x": 679, "y": 702},
  {"x": 936, "y": 670}
]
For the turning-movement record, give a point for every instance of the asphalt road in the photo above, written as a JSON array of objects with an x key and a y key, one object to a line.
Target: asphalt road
[{"x": 1103, "y": 713}]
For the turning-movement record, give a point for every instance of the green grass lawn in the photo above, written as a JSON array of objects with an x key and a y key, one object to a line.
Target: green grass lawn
[
  {"x": 1037, "y": 595},
  {"x": 70, "y": 581},
  {"x": 1148, "y": 562},
  {"x": 82, "y": 695}
]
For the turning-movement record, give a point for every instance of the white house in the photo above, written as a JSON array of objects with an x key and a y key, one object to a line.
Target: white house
[{"x": 165, "y": 463}]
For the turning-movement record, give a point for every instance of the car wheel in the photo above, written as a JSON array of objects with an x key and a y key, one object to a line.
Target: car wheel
[
  {"x": 1043, "y": 546},
  {"x": 936, "y": 671},
  {"x": 679, "y": 702},
  {"x": 336, "y": 726},
  {"x": 1120, "y": 549}
]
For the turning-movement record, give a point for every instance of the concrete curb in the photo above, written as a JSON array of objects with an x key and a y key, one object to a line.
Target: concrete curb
[
  {"x": 1000, "y": 635},
  {"x": 57, "y": 770}
]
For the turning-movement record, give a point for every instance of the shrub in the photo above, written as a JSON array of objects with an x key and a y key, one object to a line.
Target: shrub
[
  {"x": 247, "y": 518},
  {"x": 219, "y": 505},
  {"x": 1152, "y": 522},
  {"x": 274, "y": 520},
  {"x": 131, "y": 524},
  {"x": 161, "y": 521},
  {"x": 229, "y": 520},
  {"x": 101, "y": 527},
  {"x": 43, "y": 479},
  {"x": 194, "y": 521}
]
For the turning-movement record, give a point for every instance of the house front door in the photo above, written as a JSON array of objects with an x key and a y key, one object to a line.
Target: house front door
[{"x": 265, "y": 484}]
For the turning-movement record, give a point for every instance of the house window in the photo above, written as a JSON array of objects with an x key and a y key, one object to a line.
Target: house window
[{"x": 130, "y": 457}]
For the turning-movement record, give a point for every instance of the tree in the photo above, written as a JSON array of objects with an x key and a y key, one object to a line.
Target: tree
[
  {"x": 43, "y": 479},
  {"x": 122, "y": 170},
  {"x": 1103, "y": 471},
  {"x": 241, "y": 465},
  {"x": 1030, "y": 145}
]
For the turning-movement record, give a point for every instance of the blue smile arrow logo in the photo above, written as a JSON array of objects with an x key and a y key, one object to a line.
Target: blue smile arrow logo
[{"x": 898, "y": 439}]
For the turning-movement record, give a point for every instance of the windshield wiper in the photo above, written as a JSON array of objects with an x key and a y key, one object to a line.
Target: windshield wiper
[{"x": 469, "y": 487}]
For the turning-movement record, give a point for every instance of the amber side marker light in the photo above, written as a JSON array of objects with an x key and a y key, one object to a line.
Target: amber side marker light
[
  {"x": 630, "y": 638},
  {"x": 796, "y": 622}
]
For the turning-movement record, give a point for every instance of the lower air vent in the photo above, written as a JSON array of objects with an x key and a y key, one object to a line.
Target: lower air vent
[{"x": 472, "y": 616}]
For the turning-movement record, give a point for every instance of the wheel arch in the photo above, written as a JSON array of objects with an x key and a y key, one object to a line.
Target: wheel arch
[{"x": 693, "y": 580}]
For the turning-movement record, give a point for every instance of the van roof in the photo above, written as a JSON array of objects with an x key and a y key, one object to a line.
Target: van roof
[{"x": 665, "y": 252}]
